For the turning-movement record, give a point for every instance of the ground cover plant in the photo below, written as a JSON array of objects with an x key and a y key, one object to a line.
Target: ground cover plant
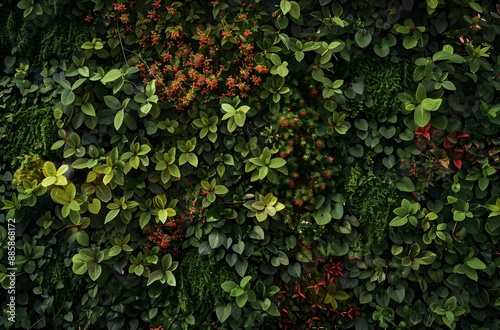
[{"x": 251, "y": 164}]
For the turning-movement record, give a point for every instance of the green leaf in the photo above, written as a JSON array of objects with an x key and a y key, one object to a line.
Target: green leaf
[
  {"x": 277, "y": 163},
  {"x": 398, "y": 221},
  {"x": 422, "y": 116},
  {"x": 322, "y": 217},
  {"x": 295, "y": 12},
  {"x": 241, "y": 267},
  {"x": 216, "y": 239},
  {"x": 421, "y": 93},
  {"x": 475, "y": 6},
  {"x": 112, "y": 102},
  {"x": 365, "y": 297},
  {"x": 223, "y": 312},
  {"x": 362, "y": 38},
  {"x": 118, "y": 121},
  {"x": 406, "y": 185},
  {"x": 397, "y": 293},
  {"x": 220, "y": 190},
  {"x": 111, "y": 215},
  {"x": 241, "y": 300},
  {"x": 432, "y": 4},
  {"x": 88, "y": 109},
  {"x": 431, "y": 104},
  {"x": 112, "y": 75},
  {"x": 67, "y": 97},
  {"x": 285, "y": 6},
  {"x": 356, "y": 151},
  {"x": 483, "y": 183},
  {"x": 94, "y": 271},
  {"x": 475, "y": 263},
  {"x": 192, "y": 159},
  {"x": 239, "y": 118},
  {"x": 425, "y": 258},
  {"x": 103, "y": 192},
  {"x": 157, "y": 275}
]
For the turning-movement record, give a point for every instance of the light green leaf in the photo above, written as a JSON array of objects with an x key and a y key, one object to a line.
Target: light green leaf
[
  {"x": 119, "y": 119},
  {"x": 431, "y": 104},
  {"x": 422, "y": 116},
  {"x": 112, "y": 75}
]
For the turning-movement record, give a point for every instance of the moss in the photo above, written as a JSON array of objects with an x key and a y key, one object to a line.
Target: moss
[
  {"x": 374, "y": 212},
  {"x": 31, "y": 169},
  {"x": 200, "y": 279},
  {"x": 383, "y": 80},
  {"x": 63, "y": 38},
  {"x": 43, "y": 39},
  {"x": 58, "y": 282},
  {"x": 33, "y": 131}
]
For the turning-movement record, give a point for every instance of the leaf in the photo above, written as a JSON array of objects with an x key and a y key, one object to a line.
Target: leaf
[
  {"x": 119, "y": 119},
  {"x": 94, "y": 271},
  {"x": 295, "y": 13},
  {"x": 112, "y": 102},
  {"x": 475, "y": 263},
  {"x": 421, "y": 93},
  {"x": 483, "y": 183},
  {"x": 112, "y": 75},
  {"x": 322, "y": 217},
  {"x": 285, "y": 6},
  {"x": 406, "y": 185},
  {"x": 220, "y": 190},
  {"x": 223, "y": 312},
  {"x": 67, "y": 97},
  {"x": 363, "y": 38},
  {"x": 241, "y": 300},
  {"x": 111, "y": 215},
  {"x": 170, "y": 278},
  {"x": 425, "y": 258},
  {"x": 157, "y": 275},
  {"x": 475, "y": 6},
  {"x": 216, "y": 239},
  {"x": 241, "y": 266},
  {"x": 356, "y": 151},
  {"x": 431, "y": 104},
  {"x": 399, "y": 221},
  {"x": 88, "y": 109},
  {"x": 432, "y": 4},
  {"x": 397, "y": 294},
  {"x": 365, "y": 297},
  {"x": 103, "y": 192},
  {"x": 409, "y": 42},
  {"x": 257, "y": 233},
  {"x": 277, "y": 163},
  {"x": 192, "y": 159},
  {"x": 422, "y": 116}
]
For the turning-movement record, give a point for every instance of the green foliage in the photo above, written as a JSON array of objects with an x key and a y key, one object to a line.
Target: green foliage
[
  {"x": 63, "y": 38},
  {"x": 374, "y": 213},
  {"x": 200, "y": 279},
  {"x": 374, "y": 85},
  {"x": 229, "y": 136},
  {"x": 32, "y": 130},
  {"x": 31, "y": 169}
]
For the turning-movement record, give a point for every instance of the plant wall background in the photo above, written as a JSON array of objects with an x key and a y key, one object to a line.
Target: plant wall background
[{"x": 260, "y": 164}]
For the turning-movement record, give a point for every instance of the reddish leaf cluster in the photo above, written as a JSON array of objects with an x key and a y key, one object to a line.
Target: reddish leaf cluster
[{"x": 167, "y": 236}]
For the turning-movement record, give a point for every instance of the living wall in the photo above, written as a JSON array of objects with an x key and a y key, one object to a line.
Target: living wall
[{"x": 251, "y": 164}]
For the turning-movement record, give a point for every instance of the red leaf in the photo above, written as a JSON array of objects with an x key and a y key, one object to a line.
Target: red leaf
[{"x": 458, "y": 163}]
